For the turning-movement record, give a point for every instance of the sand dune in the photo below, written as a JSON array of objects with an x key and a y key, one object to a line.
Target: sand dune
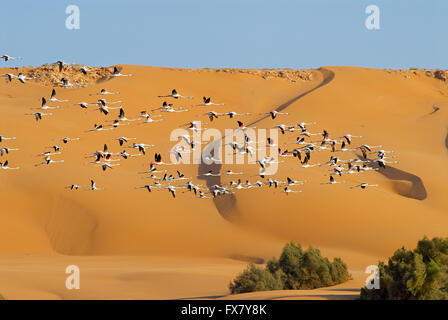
[{"x": 132, "y": 244}]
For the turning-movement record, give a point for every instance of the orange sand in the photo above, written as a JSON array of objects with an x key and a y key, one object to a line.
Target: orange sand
[{"x": 134, "y": 245}]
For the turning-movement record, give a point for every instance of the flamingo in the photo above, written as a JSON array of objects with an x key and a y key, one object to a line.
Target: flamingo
[
  {"x": 122, "y": 140},
  {"x": 6, "y": 138},
  {"x": 125, "y": 155},
  {"x": 116, "y": 73},
  {"x": 61, "y": 65},
  {"x": 333, "y": 181},
  {"x": 6, "y": 58},
  {"x": 172, "y": 190},
  {"x": 338, "y": 170},
  {"x": 283, "y": 128},
  {"x": 208, "y": 102},
  {"x": 348, "y": 137},
  {"x": 48, "y": 161},
  {"x": 141, "y": 147},
  {"x": 302, "y": 125},
  {"x": 44, "y": 105},
  {"x": 170, "y": 109},
  {"x": 93, "y": 186},
  {"x": 232, "y": 114},
  {"x": 7, "y": 150},
  {"x": 287, "y": 191},
  {"x": 38, "y": 115},
  {"x": 65, "y": 83},
  {"x": 105, "y": 92},
  {"x": 343, "y": 148},
  {"x": 211, "y": 115},
  {"x": 73, "y": 187},
  {"x": 194, "y": 126},
  {"x": 102, "y": 107},
  {"x": 117, "y": 123},
  {"x": 9, "y": 77},
  {"x": 149, "y": 119},
  {"x": 84, "y": 105},
  {"x": 53, "y": 97},
  {"x": 291, "y": 182},
  {"x": 229, "y": 172},
  {"x": 84, "y": 70},
  {"x": 211, "y": 174},
  {"x": 47, "y": 153},
  {"x": 106, "y": 165},
  {"x": 66, "y": 140},
  {"x": 274, "y": 113},
  {"x": 22, "y": 78},
  {"x": 364, "y": 185},
  {"x": 382, "y": 163},
  {"x": 146, "y": 186},
  {"x": 98, "y": 128},
  {"x": 241, "y": 126},
  {"x": 174, "y": 94},
  {"x": 4, "y": 166},
  {"x": 202, "y": 195}
]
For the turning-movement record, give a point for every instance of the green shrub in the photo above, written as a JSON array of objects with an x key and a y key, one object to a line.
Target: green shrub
[
  {"x": 421, "y": 274},
  {"x": 255, "y": 279},
  {"x": 295, "y": 269}
]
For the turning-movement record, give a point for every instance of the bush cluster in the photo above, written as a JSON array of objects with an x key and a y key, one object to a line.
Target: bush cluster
[
  {"x": 420, "y": 274},
  {"x": 295, "y": 269}
]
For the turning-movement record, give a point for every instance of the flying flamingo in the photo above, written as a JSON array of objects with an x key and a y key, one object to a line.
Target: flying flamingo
[
  {"x": 5, "y": 138},
  {"x": 53, "y": 97},
  {"x": 232, "y": 114},
  {"x": 274, "y": 113},
  {"x": 93, "y": 186},
  {"x": 364, "y": 185},
  {"x": 98, "y": 128},
  {"x": 104, "y": 92},
  {"x": 287, "y": 191},
  {"x": 174, "y": 94},
  {"x": 22, "y": 78},
  {"x": 333, "y": 181},
  {"x": 208, "y": 102},
  {"x": 48, "y": 161},
  {"x": 6, "y": 58},
  {"x": 44, "y": 105},
  {"x": 349, "y": 137},
  {"x": 116, "y": 73},
  {"x": 38, "y": 115},
  {"x": 7, "y": 150},
  {"x": 4, "y": 166}
]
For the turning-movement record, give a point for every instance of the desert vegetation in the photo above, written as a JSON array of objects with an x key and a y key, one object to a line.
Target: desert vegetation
[
  {"x": 419, "y": 274},
  {"x": 295, "y": 269}
]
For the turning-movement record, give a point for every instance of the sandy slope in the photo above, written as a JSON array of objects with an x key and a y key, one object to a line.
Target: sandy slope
[{"x": 132, "y": 244}]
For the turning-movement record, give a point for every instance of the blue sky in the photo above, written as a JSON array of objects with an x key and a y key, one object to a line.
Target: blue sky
[{"x": 227, "y": 33}]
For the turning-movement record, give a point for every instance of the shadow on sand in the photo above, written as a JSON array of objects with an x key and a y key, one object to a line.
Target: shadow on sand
[{"x": 417, "y": 189}]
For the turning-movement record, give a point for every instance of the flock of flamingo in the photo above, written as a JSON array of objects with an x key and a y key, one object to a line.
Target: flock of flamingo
[{"x": 305, "y": 145}]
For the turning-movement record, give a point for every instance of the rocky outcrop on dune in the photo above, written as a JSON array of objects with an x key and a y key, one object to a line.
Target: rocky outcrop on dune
[
  {"x": 51, "y": 76},
  {"x": 440, "y": 74},
  {"x": 288, "y": 74}
]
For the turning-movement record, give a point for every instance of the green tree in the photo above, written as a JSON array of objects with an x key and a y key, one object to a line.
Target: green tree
[{"x": 421, "y": 274}]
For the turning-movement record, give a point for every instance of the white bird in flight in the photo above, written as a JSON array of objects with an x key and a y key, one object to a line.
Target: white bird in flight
[
  {"x": 174, "y": 94},
  {"x": 4, "y": 166},
  {"x": 6, "y": 58}
]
